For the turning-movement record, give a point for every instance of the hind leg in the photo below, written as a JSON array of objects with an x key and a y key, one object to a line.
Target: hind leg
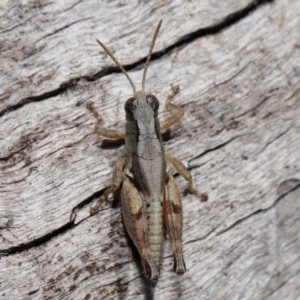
[
  {"x": 173, "y": 222},
  {"x": 135, "y": 220}
]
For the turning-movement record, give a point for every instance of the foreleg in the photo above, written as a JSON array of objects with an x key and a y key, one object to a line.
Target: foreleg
[
  {"x": 100, "y": 129},
  {"x": 176, "y": 111}
]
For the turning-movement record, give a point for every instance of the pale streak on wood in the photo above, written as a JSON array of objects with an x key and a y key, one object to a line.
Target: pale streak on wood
[{"x": 240, "y": 138}]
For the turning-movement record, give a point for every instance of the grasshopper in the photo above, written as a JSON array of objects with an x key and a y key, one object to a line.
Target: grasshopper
[{"x": 149, "y": 197}]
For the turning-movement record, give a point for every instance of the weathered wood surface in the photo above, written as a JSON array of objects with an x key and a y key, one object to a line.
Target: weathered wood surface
[{"x": 238, "y": 66}]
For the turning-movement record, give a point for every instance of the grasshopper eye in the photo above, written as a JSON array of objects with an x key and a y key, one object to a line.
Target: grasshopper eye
[
  {"x": 130, "y": 105},
  {"x": 153, "y": 102}
]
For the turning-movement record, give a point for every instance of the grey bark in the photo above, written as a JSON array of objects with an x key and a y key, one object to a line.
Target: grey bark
[{"x": 237, "y": 64}]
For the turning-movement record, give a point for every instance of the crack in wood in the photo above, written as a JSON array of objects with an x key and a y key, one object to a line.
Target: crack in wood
[
  {"x": 47, "y": 237},
  {"x": 62, "y": 28},
  {"x": 215, "y": 148},
  {"x": 73, "y": 5},
  {"x": 60, "y": 90},
  {"x": 273, "y": 140},
  {"x": 36, "y": 242},
  {"x": 294, "y": 188},
  {"x": 282, "y": 284}
]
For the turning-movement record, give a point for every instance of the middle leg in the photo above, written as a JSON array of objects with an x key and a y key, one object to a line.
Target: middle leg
[{"x": 115, "y": 184}]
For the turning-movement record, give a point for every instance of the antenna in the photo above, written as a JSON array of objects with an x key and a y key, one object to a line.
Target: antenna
[
  {"x": 149, "y": 54},
  {"x": 118, "y": 64}
]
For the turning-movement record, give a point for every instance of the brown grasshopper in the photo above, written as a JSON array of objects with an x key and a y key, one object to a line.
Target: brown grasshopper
[{"x": 150, "y": 196}]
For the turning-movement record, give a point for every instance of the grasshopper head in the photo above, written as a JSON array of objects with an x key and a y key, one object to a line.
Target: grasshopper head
[{"x": 142, "y": 105}]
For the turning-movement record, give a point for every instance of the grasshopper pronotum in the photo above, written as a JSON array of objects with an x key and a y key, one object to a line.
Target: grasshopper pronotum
[{"x": 149, "y": 197}]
